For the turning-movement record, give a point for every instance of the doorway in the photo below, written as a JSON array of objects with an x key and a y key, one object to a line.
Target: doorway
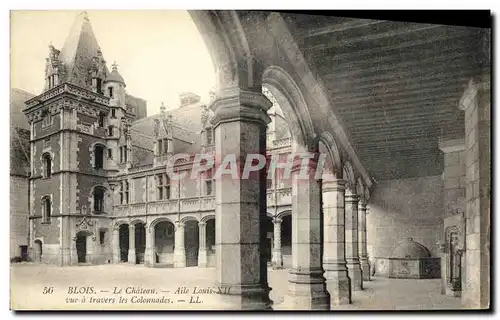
[{"x": 81, "y": 247}]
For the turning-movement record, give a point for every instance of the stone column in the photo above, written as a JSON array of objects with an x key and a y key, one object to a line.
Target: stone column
[
  {"x": 202, "y": 253},
  {"x": 149, "y": 253},
  {"x": 131, "y": 244},
  {"x": 179, "y": 249},
  {"x": 240, "y": 205},
  {"x": 116, "y": 245},
  {"x": 477, "y": 105},
  {"x": 307, "y": 286},
  {"x": 277, "y": 259},
  {"x": 351, "y": 241},
  {"x": 362, "y": 244},
  {"x": 334, "y": 262}
]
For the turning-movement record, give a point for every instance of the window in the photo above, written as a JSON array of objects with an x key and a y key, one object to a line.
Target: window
[
  {"x": 98, "y": 85},
  {"x": 209, "y": 133},
  {"x": 47, "y": 165},
  {"x": 101, "y": 119},
  {"x": 123, "y": 154},
  {"x": 110, "y": 131},
  {"x": 102, "y": 237},
  {"x": 99, "y": 157},
  {"x": 163, "y": 186},
  {"x": 124, "y": 192},
  {"x": 113, "y": 113},
  {"x": 209, "y": 182},
  {"x": 208, "y": 185},
  {"x": 110, "y": 154},
  {"x": 46, "y": 209},
  {"x": 98, "y": 199},
  {"x": 110, "y": 92},
  {"x": 162, "y": 146}
]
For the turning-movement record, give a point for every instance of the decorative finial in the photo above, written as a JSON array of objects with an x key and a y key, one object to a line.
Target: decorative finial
[{"x": 115, "y": 66}]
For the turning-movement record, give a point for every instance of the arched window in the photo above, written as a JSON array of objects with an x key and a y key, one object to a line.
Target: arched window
[
  {"x": 98, "y": 199},
  {"x": 47, "y": 165},
  {"x": 46, "y": 209},
  {"x": 98, "y": 157}
]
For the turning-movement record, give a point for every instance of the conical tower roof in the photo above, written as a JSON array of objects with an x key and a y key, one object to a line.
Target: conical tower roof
[{"x": 79, "y": 48}]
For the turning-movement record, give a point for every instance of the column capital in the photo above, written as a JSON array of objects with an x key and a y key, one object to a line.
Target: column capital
[
  {"x": 179, "y": 224},
  {"x": 471, "y": 91},
  {"x": 202, "y": 224},
  {"x": 351, "y": 197},
  {"x": 236, "y": 104},
  {"x": 277, "y": 220},
  {"x": 334, "y": 185}
]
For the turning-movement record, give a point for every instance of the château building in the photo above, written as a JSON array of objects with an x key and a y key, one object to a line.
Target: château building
[{"x": 98, "y": 184}]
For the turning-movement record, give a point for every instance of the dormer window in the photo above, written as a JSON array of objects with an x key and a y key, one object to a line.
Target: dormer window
[
  {"x": 162, "y": 146},
  {"x": 123, "y": 154},
  {"x": 110, "y": 92}
]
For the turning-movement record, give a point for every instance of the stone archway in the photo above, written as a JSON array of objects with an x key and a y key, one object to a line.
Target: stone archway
[
  {"x": 163, "y": 243},
  {"x": 140, "y": 242},
  {"x": 124, "y": 242},
  {"x": 191, "y": 242}
]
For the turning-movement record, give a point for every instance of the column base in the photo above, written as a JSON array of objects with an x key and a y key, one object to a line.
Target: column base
[
  {"x": 365, "y": 268},
  {"x": 307, "y": 291},
  {"x": 202, "y": 258},
  {"x": 131, "y": 256},
  {"x": 356, "y": 275},
  {"x": 179, "y": 259},
  {"x": 244, "y": 297},
  {"x": 338, "y": 285}
]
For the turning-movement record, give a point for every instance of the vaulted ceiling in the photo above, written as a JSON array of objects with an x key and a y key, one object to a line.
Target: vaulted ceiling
[{"x": 394, "y": 85}]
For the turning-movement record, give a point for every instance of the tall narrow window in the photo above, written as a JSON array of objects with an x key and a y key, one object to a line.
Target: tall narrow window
[
  {"x": 110, "y": 92},
  {"x": 47, "y": 165},
  {"x": 209, "y": 134},
  {"x": 110, "y": 153},
  {"x": 101, "y": 119},
  {"x": 113, "y": 113},
  {"x": 99, "y": 157},
  {"x": 160, "y": 146},
  {"x": 163, "y": 187},
  {"x": 110, "y": 131},
  {"x": 46, "y": 209},
  {"x": 269, "y": 183},
  {"x": 126, "y": 191},
  {"x": 98, "y": 199},
  {"x": 123, "y": 154},
  {"x": 102, "y": 237},
  {"x": 98, "y": 85},
  {"x": 209, "y": 182},
  {"x": 165, "y": 146}
]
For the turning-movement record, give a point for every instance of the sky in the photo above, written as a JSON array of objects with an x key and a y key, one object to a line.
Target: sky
[{"x": 159, "y": 53}]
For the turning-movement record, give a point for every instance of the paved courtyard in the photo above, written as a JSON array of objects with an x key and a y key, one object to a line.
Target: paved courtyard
[{"x": 138, "y": 287}]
